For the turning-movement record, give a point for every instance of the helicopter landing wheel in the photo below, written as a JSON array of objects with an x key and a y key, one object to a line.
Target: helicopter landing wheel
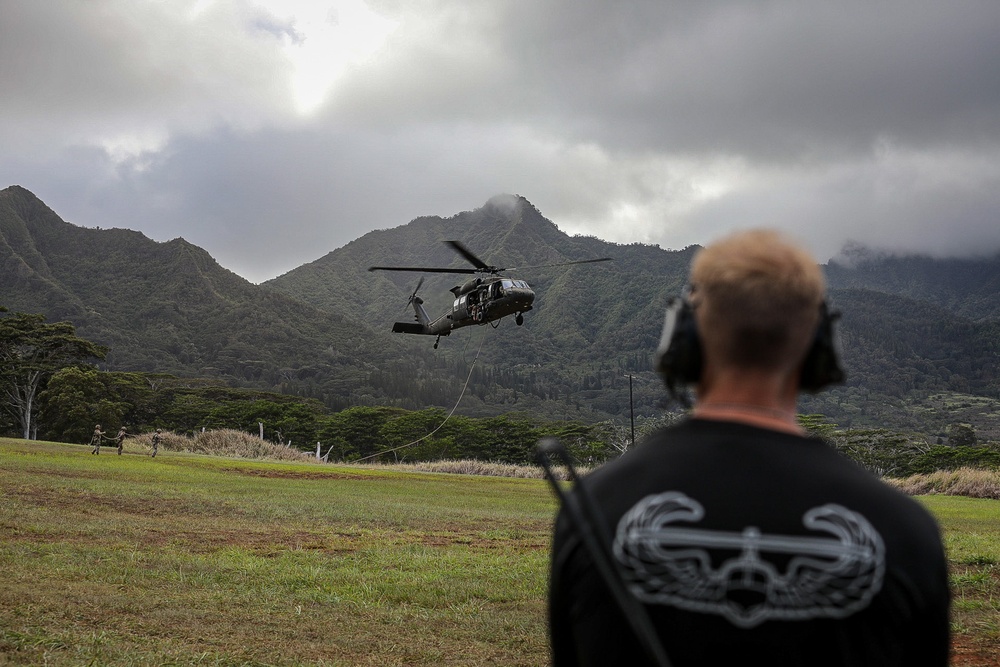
[{"x": 519, "y": 319}]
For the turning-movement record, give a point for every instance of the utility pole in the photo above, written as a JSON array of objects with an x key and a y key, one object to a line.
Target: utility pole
[{"x": 631, "y": 409}]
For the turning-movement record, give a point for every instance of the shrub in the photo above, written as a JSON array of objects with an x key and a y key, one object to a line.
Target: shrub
[{"x": 945, "y": 458}]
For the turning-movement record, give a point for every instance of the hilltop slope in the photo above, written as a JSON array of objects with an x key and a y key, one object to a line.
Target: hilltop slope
[{"x": 164, "y": 307}]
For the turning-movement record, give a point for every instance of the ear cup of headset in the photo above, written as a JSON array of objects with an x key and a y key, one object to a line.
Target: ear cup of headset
[
  {"x": 679, "y": 359},
  {"x": 678, "y": 356},
  {"x": 821, "y": 366}
]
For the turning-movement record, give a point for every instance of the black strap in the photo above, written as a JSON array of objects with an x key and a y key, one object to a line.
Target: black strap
[{"x": 583, "y": 513}]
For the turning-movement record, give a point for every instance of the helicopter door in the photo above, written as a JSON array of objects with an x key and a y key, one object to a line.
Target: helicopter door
[{"x": 461, "y": 308}]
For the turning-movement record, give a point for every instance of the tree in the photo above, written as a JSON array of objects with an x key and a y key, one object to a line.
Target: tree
[
  {"x": 883, "y": 452},
  {"x": 288, "y": 421},
  {"x": 962, "y": 435},
  {"x": 77, "y": 397},
  {"x": 31, "y": 350},
  {"x": 354, "y": 432}
]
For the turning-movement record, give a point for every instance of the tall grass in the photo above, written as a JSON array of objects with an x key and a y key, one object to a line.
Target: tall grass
[
  {"x": 970, "y": 482},
  {"x": 238, "y": 444},
  {"x": 221, "y": 442},
  {"x": 474, "y": 467}
]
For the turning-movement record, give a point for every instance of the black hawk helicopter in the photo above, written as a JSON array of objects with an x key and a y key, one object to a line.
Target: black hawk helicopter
[{"x": 486, "y": 298}]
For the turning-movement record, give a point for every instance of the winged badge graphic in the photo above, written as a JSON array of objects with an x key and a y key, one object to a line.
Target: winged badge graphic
[{"x": 665, "y": 559}]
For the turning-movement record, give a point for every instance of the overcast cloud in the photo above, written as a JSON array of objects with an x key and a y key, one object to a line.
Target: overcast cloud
[{"x": 272, "y": 131}]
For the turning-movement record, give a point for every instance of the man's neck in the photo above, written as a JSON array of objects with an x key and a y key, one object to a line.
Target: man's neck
[{"x": 763, "y": 401}]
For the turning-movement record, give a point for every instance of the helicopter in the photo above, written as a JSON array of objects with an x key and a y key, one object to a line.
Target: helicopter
[{"x": 486, "y": 298}]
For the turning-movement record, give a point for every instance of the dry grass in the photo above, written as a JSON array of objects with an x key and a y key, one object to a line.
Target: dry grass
[
  {"x": 969, "y": 482},
  {"x": 238, "y": 444},
  {"x": 473, "y": 467},
  {"x": 222, "y": 442}
]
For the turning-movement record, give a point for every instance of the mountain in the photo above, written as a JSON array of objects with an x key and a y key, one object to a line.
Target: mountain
[
  {"x": 968, "y": 287},
  {"x": 920, "y": 335},
  {"x": 913, "y": 329},
  {"x": 168, "y": 307},
  {"x": 585, "y": 311},
  {"x": 592, "y": 326}
]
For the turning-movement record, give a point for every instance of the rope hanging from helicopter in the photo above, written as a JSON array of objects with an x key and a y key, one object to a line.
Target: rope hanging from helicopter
[{"x": 439, "y": 426}]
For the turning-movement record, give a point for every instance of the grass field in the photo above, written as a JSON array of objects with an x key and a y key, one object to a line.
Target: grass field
[{"x": 193, "y": 559}]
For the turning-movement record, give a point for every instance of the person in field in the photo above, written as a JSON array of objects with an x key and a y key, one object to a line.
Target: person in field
[
  {"x": 156, "y": 442},
  {"x": 95, "y": 439},
  {"x": 120, "y": 439}
]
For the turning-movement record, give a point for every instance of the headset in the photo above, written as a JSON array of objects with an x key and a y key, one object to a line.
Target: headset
[{"x": 678, "y": 356}]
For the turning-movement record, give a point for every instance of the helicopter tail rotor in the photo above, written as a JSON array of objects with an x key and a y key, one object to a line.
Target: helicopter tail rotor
[{"x": 414, "y": 297}]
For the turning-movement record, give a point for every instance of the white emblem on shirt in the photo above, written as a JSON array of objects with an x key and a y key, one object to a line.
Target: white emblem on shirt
[{"x": 822, "y": 576}]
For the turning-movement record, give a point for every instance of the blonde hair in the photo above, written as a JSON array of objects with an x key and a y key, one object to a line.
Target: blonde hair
[{"x": 758, "y": 296}]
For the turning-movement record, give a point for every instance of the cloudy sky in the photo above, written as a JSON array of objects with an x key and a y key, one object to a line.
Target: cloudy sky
[{"x": 272, "y": 131}]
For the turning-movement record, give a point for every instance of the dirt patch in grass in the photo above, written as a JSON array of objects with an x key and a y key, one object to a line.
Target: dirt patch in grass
[
  {"x": 976, "y": 640},
  {"x": 85, "y": 502},
  {"x": 262, "y": 543},
  {"x": 974, "y": 652},
  {"x": 479, "y": 541},
  {"x": 68, "y": 473},
  {"x": 296, "y": 474}
]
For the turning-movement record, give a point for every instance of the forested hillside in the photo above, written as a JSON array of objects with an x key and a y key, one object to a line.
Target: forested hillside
[
  {"x": 920, "y": 335},
  {"x": 966, "y": 287},
  {"x": 170, "y": 308}
]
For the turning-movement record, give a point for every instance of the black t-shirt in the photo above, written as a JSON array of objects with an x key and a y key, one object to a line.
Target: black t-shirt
[{"x": 751, "y": 544}]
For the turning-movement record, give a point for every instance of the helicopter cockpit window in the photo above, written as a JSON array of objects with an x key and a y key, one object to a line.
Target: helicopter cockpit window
[{"x": 507, "y": 284}]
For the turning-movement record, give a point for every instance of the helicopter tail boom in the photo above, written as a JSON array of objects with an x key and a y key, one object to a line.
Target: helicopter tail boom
[{"x": 410, "y": 328}]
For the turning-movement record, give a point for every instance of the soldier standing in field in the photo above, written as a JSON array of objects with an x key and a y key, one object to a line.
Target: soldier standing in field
[
  {"x": 156, "y": 442},
  {"x": 95, "y": 439},
  {"x": 120, "y": 439}
]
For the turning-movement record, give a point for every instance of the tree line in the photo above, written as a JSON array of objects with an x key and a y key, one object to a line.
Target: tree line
[{"x": 52, "y": 389}]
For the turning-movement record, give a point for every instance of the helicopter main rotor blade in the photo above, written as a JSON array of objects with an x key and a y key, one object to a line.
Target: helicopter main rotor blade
[
  {"x": 422, "y": 269},
  {"x": 471, "y": 257},
  {"x": 543, "y": 266}
]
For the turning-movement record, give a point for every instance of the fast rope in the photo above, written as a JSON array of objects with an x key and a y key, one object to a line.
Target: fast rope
[{"x": 457, "y": 403}]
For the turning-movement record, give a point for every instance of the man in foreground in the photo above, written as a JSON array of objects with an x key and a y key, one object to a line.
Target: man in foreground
[{"x": 744, "y": 539}]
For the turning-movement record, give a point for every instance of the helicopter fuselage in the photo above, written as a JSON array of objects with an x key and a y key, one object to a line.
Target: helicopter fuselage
[
  {"x": 478, "y": 301},
  {"x": 486, "y": 298}
]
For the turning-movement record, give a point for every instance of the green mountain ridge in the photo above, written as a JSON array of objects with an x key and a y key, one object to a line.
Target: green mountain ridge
[
  {"x": 322, "y": 329},
  {"x": 164, "y": 307},
  {"x": 968, "y": 287}
]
